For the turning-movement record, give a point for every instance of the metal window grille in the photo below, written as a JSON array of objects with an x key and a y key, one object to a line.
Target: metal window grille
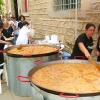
[{"x": 66, "y": 4}]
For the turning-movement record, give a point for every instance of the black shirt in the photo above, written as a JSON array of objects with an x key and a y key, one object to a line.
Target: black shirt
[
  {"x": 88, "y": 43},
  {"x": 20, "y": 25},
  {"x": 7, "y": 32}
]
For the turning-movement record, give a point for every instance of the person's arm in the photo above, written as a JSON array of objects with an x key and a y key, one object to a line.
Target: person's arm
[
  {"x": 84, "y": 50},
  {"x": 97, "y": 53},
  {"x": 4, "y": 42},
  {"x": 4, "y": 37},
  {"x": 30, "y": 37},
  {"x": 14, "y": 27},
  {"x": 12, "y": 24},
  {"x": 18, "y": 26}
]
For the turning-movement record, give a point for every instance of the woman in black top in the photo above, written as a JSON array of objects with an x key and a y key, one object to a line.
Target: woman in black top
[
  {"x": 21, "y": 20},
  {"x": 2, "y": 43},
  {"x": 84, "y": 43},
  {"x": 7, "y": 30},
  {"x": 98, "y": 45}
]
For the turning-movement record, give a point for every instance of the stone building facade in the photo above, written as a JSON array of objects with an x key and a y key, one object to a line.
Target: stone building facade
[
  {"x": 46, "y": 21},
  {"x": 9, "y": 7}
]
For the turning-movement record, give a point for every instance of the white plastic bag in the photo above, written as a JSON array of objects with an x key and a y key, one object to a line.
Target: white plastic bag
[
  {"x": 54, "y": 39},
  {"x": 32, "y": 32}
]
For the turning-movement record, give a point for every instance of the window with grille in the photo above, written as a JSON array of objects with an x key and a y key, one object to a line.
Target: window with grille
[{"x": 66, "y": 4}]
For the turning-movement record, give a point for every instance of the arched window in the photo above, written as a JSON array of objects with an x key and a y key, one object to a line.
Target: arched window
[{"x": 66, "y": 4}]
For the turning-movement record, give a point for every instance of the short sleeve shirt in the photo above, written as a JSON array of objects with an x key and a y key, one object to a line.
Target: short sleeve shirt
[
  {"x": 20, "y": 25},
  {"x": 23, "y": 36},
  {"x": 7, "y": 32},
  {"x": 88, "y": 43},
  {"x": 16, "y": 30}
]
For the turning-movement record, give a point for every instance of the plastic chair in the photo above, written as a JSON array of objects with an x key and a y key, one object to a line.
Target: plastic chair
[{"x": 5, "y": 72}]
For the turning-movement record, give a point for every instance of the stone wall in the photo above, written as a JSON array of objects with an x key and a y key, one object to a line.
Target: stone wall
[
  {"x": 47, "y": 22},
  {"x": 46, "y": 25}
]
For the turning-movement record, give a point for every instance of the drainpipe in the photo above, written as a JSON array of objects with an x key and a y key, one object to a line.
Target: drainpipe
[{"x": 76, "y": 20}]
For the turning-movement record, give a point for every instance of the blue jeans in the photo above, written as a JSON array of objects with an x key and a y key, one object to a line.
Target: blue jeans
[
  {"x": 65, "y": 55},
  {"x": 14, "y": 40}
]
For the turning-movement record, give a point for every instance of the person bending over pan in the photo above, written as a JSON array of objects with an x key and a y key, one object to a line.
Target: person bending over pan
[{"x": 84, "y": 43}]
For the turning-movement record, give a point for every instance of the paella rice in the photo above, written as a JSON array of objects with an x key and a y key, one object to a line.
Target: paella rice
[
  {"x": 68, "y": 77},
  {"x": 33, "y": 50}
]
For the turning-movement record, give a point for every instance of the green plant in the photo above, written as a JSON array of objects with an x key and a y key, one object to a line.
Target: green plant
[{"x": 2, "y": 7}]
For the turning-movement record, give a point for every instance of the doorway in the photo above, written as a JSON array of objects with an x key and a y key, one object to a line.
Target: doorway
[{"x": 16, "y": 9}]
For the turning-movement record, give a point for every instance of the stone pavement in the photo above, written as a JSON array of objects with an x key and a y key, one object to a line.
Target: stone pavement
[{"x": 7, "y": 95}]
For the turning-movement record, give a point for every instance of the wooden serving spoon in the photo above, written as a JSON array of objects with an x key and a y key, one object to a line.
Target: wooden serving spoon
[
  {"x": 19, "y": 47},
  {"x": 94, "y": 63}
]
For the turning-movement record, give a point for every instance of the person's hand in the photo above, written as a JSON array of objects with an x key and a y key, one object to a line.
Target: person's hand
[
  {"x": 32, "y": 42},
  {"x": 8, "y": 43},
  {"x": 87, "y": 54},
  {"x": 97, "y": 53},
  {"x": 12, "y": 22},
  {"x": 12, "y": 34}
]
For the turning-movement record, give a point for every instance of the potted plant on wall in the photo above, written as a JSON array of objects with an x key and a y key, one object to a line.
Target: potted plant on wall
[{"x": 2, "y": 7}]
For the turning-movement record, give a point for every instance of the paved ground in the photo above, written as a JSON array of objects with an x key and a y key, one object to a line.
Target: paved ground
[{"x": 7, "y": 95}]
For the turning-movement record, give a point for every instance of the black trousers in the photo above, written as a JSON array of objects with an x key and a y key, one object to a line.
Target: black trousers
[
  {"x": 1, "y": 74},
  {"x": 1, "y": 61}
]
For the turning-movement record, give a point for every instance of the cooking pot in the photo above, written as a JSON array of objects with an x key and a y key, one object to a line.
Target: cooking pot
[
  {"x": 34, "y": 55},
  {"x": 33, "y": 70},
  {"x": 39, "y": 94},
  {"x": 21, "y": 65}
]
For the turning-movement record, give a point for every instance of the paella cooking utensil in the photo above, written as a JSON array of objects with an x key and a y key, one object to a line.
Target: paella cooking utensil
[
  {"x": 19, "y": 47},
  {"x": 94, "y": 63}
]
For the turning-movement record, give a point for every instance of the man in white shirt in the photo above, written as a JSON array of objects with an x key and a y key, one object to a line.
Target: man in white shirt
[
  {"x": 24, "y": 34},
  {"x": 9, "y": 20}
]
